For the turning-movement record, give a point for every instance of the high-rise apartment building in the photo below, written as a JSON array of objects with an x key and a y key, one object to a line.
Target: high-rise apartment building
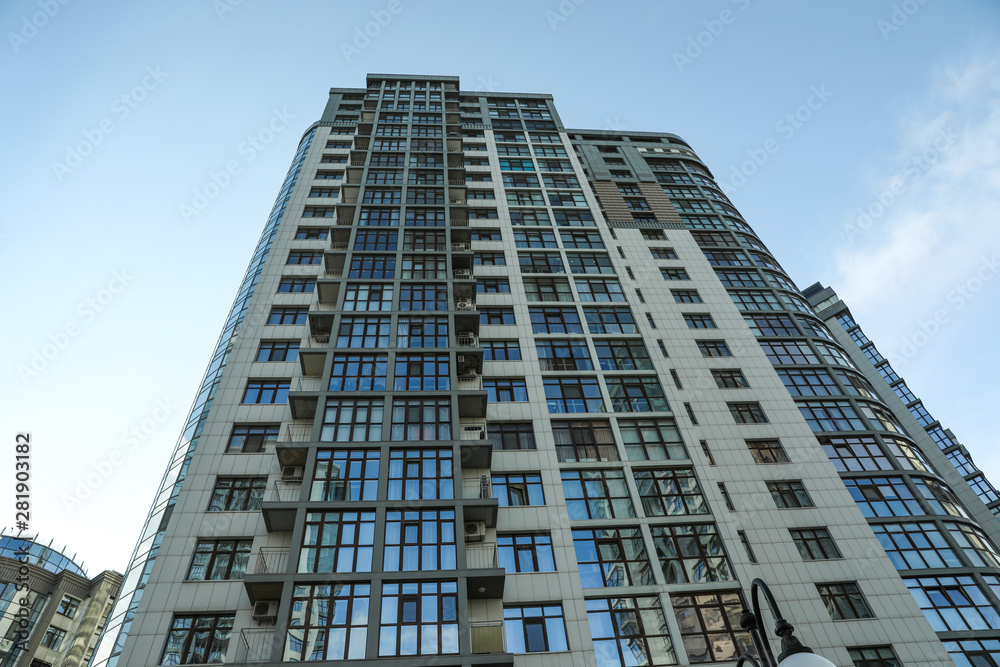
[{"x": 498, "y": 392}]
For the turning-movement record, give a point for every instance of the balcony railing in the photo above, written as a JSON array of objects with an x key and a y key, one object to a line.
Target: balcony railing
[
  {"x": 274, "y": 560},
  {"x": 316, "y": 341},
  {"x": 481, "y": 556},
  {"x": 470, "y": 382},
  {"x": 338, "y": 245},
  {"x": 465, "y": 340},
  {"x": 461, "y": 247},
  {"x": 462, "y": 274},
  {"x": 334, "y": 273},
  {"x": 477, "y": 487},
  {"x": 254, "y": 645},
  {"x": 487, "y": 637},
  {"x": 473, "y": 431},
  {"x": 308, "y": 383},
  {"x": 285, "y": 490},
  {"x": 326, "y": 305},
  {"x": 459, "y": 222},
  {"x": 296, "y": 433}
]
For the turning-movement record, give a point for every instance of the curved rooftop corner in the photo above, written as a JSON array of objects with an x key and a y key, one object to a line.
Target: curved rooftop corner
[{"x": 39, "y": 554}]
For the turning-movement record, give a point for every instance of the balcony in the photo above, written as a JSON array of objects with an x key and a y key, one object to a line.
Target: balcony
[
  {"x": 462, "y": 274},
  {"x": 312, "y": 354},
  {"x": 290, "y": 447},
  {"x": 476, "y": 448},
  {"x": 467, "y": 305},
  {"x": 255, "y": 645},
  {"x": 487, "y": 579},
  {"x": 263, "y": 583},
  {"x": 304, "y": 407},
  {"x": 480, "y": 504},
  {"x": 487, "y": 637},
  {"x": 296, "y": 433},
  {"x": 470, "y": 383},
  {"x": 277, "y": 508},
  {"x": 461, "y": 247}
]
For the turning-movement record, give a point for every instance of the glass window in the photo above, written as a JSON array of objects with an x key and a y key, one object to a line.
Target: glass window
[
  {"x": 547, "y": 289},
  {"x": 237, "y": 494},
  {"x": 814, "y": 543},
  {"x": 610, "y": 320},
  {"x": 729, "y": 379},
  {"x": 830, "y": 416},
  {"x": 596, "y": 494},
  {"x": 197, "y": 640},
  {"x": 629, "y": 631},
  {"x": 252, "y": 438},
  {"x": 511, "y": 435},
  {"x": 217, "y": 560},
  {"x": 883, "y": 496},
  {"x": 421, "y": 297},
  {"x": 915, "y": 546},
  {"x": 670, "y": 492},
  {"x": 844, "y": 601},
  {"x": 555, "y": 320},
  {"x": 420, "y": 540},
  {"x": 651, "y": 439},
  {"x": 593, "y": 290},
  {"x": 497, "y": 316},
  {"x": 505, "y": 390},
  {"x": 534, "y": 629},
  {"x": 855, "y": 453},
  {"x": 68, "y": 606},
  {"x": 612, "y": 557},
  {"x": 345, "y": 474},
  {"x": 713, "y": 348},
  {"x": 710, "y": 626},
  {"x": 747, "y": 413},
  {"x": 419, "y": 618},
  {"x": 636, "y": 394},
  {"x": 352, "y": 420},
  {"x": 421, "y": 332},
  {"x": 526, "y": 553},
  {"x": 368, "y": 297},
  {"x": 337, "y": 542},
  {"x": 622, "y": 355},
  {"x": 518, "y": 489},
  {"x": 563, "y": 355},
  {"x": 363, "y": 332},
  {"x": 691, "y": 553},
  {"x": 974, "y": 544},
  {"x": 571, "y": 395},
  {"x": 359, "y": 372},
  {"x": 328, "y": 622},
  {"x": 584, "y": 441},
  {"x": 874, "y": 656},
  {"x": 789, "y": 494},
  {"x": 421, "y": 419},
  {"x": 500, "y": 350},
  {"x": 421, "y": 372},
  {"x": 767, "y": 451},
  {"x": 421, "y": 474},
  {"x": 294, "y": 315}
]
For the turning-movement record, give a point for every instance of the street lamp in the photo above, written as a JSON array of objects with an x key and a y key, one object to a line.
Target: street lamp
[{"x": 793, "y": 653}]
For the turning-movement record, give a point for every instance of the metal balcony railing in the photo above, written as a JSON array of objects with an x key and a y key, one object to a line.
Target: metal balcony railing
[
  {"x": 334, "y": 273},
  {"x": 461, "y": 247},
  {"x": 338, "y": 245},
  {"x": 470, "y": 382},
  {"x": 487, "y": 637},
  {"x": 480, "y": 487},
  {"x": 308, "y": 383},
  {"x": 466, "y": 341},
  {"x": 285, "y": 490},
  {"x": 482, "y": 556},
  {"x": 462, "y": 274},
  {"x": 296, "y": 433},
  {"x": 273, "y": 560},
  {"x": 316, "y": 341},
  {"x": 254, "y": 645},
  {"x": 473, "y": 431}
]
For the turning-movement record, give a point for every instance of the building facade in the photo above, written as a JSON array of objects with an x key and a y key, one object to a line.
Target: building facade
[
  {"x": 498, "y": 392},
  {"x": 51, "y": 612}
]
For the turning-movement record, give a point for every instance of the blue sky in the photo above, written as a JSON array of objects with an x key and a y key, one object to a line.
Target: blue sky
[{"x": 861, "y": 139}]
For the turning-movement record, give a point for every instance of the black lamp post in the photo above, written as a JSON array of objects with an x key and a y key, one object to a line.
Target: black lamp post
[{"x": 793, "y": 653}]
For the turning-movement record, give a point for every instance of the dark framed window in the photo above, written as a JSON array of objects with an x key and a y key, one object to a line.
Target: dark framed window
[
  {"x": 974, "y": 543},
  {"x": 420, "y": 540},
  {"x": 584, "y": 441},
  {"x": 218, "y": 560},
  {"x": 729, "y": 379},
  {"x": 651, "y": 439},
  {"x": 421, "y": 419},
  {"x": 363, "y": 332},
  {"x": 540, "y": 262},
  {"x": 359, "y": 372},
  {"x": 68, "y": 606},
  {"x": 674, "y": 274},
  {"x": 612, "y": 557},
  {"x": 535, "y": 629},
  {"x": 699, "y": 321},
  {"x": 345, "y": 474},
  {"x": 614, "y": 354},
  {"x": 511, "y": 435},
  {"x": 629, "y": 631},
  {"x": 830, "y": 416},
  {"x": 596, "y": 290},
  {"x": 670, "y": 492},
  {"x": 767, "y": 451},
  {"x": 518, "y": 489},
  {"x": 492, "y": 286},
  {"x": 691, "y": 553},
  {"x": 278, "y": 350},
  {"x": 589, "y": 262},
  {"x": 376, "y": 239},
  {"x": 252, "y": 438},
  {"x": 505, "y": 390},
  {"x": 425, "y": 240},
  {"x": 422, "y": 332},
  {"x": 198, "y": 639},
  {"x": 663, "y": 253},
  {"x": 713, "y": 348},
  {"x": 878, "y": 656},
  {"x": 563, "y": 355},
  {"x": 489, "y": 259},
  {"x": 547, "y": 289},
  {"x": 710, "y": 626},
  {"x": 855, "y": 453},
  {"x": 845, "y": 601},
  {"x": 373, "y": 266},
  {"x": 312, "y": 233},
  {"x": 305, "y": 257},
  {"x": 555, "y": 320},
  {"x": 266, "y": 391},
  {"x": 296, "y": 285},
  {"x": 597, "y": 494},
  {"x": 815, "y": 543},
  {"x": 352, "y": 420},
  {"x": 636, "y": 394},
  {"x": 775, "y": 325},
  {"x": 419, "y": 618},
  {"x": 501, "y": 350},
  {"x": 883, "y": 496},
  {"x": 422, "y": 372},
  {"x": 421, "y": 474},
  {"x": 572, "y": 395},
  {"x": 496, "y": 316},
  {"x": 292, "y": 315},
  {"x": 788, "y": 494},
  {"x": 916, "y": 546},
  {"x": 344, "y": 633},
  {"x": 808, "y": 382},
  {"x": 535, "y": 238},
  {"x": 531, "y": 552},
  {"x": 747, "y": 413},
  {"x": 610, "y": 320},
  {"x": 237, "y": 494},
  {"x": 953, "y": 603}
]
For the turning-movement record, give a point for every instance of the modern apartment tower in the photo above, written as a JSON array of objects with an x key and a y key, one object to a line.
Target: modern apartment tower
[{"x": 498, "y": 392}]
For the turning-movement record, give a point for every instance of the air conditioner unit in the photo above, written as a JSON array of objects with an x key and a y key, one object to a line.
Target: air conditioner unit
[
  {"x": 460, "y": 358},
  {"x": 465, "y": 304},
  {"x": 289, "y": 473},
  {"x": 265, "y": 611},
  {"x": 475, "y": 531}
]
